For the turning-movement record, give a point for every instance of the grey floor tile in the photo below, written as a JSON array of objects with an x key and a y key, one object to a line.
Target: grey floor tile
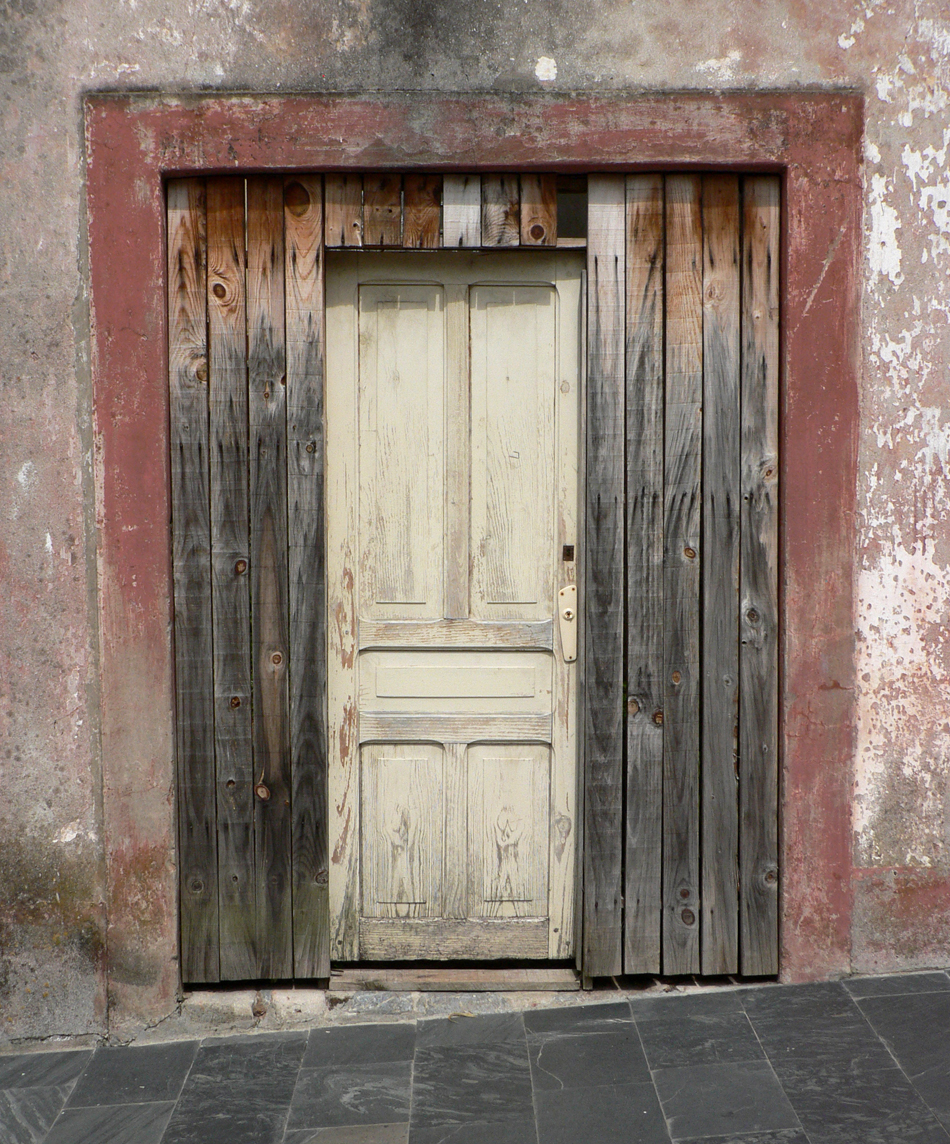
[
  {"x": 915, "y": 1027},
  {"x": 359, "y": 1045},
  {"x": 483, "y": 1083},
  {"x": 521, "y": 1131},
  {"x": 45, "y": 1070},
  {"x": 354, "y": 1134},
  {"x": 783, "y": 1136},
  {"x": 898, "y": 984},
  {"x": 844, "y": 1040},
  {"x": 699, "y": 1039},
  {"x": 707, "y": 1003},
  {"x": 27, "y": 1113},
  {"x": 233, "y": 1125},
  {"x": 351, "y": 1094},
  {"x": 576, "y": 1018},
  {"x": 583, "y": 1061},
  {"x": 112, "y": 1124},
  {"x": 134, "y": 1075},
  {"x": 934, "y": 1088},
  {"x": 492, "y": 1028},
  {"x": 718, "y": 1099},
  {"x": 249, "y": 1057},
  {"x": 611, "y": 1114},
  {"x": 794, "y": 1002}
]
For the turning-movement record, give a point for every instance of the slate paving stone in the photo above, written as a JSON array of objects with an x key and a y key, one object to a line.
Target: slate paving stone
[
  {"x": 27, "y": 1113},
  {"x": 702, "y": 1004},
  {"x": 579, "y": 1018},
  {"x": 846, "y": 1040},
  {"x": 792, "y": 1002},
  {"x": 260, "y": 1058},
  {"x": 134, "y": 1075},
  {"x": 609, "y": 1114},
  {"x": 559, "y": 1061},
  {"x": 494, "y": 1028},
  {"x": 718, "y": 1099},
  {"x": 113, "y": 1124},
  {"x": 699, "y": 1039},
  {"x": 478, "y": 1083},
  {"x": 44, "y": 1070},
  {"x": 783, "y": 1136},
  {"x": 522, "y": 1131},
  {"x": 351, "y": 1094},
  {"x": 354, "y": 1134},
  {"x": 898, "y": 984},
  {"x": 359, "y": 1045},
  {"x": 222, "y": 1126}
]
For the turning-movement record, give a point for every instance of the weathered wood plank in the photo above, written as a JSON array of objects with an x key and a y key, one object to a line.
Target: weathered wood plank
[
  {"x": 461, "y": 210},
  {"x": 231, "y": 605},
  {"x": 382, "y": 210},
  {"x": 644, "y": 400},
  {"x": 457, "y": 633},
  {"x": 305, "y": 340},
  {"x": 451, "y": 979},
  {"x": 501, "y": 218},
  {"x": 720, "y": 577},
  {"x": 343, "y": 216},
  {"x": 267, "y": 408},
  {"x": 683, "y": 436},
  {"x": 758, "y": 592},
  {"x": 191, "y": 531},
  {"x": 458, "y": 460},
  {"x": 453, "y": 728},
  {"x": 604, "y": 589},
  {"x": 421, "y": 211},
  {"x": 436, "y": 939},
  {"x": 538, "y": 210}
]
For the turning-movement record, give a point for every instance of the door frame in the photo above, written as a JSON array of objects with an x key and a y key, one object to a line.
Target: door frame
[{"x": 134, "y": 142}]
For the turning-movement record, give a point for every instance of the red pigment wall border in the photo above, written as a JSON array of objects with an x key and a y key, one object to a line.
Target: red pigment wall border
[{"x": 134, "y": 141}]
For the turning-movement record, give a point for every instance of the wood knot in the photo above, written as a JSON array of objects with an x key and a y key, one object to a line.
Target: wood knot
[
  {"x": 297, "y": 199},
  {"x": 277, "y": 659},
  {"x": 240, "y": 567},
  {"x": 321, "y": 877},
  {"x": 689, "y": 553},
  {"x": 658, "y": 718},
  {"x": 633, "y": 707},
  {"x": 201, "y": 372},
  {"x": 537, "y": 232},
  {"x": 676, "y": 677},
  {"x": 688, "y": 917},
  {"x": 262, "y": 792},
  {"x": 235, "y": 702},
  {"x": 219, "y": 290}
]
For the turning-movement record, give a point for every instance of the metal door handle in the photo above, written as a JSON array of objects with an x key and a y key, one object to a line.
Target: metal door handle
[{"x": 567, "y": 621}]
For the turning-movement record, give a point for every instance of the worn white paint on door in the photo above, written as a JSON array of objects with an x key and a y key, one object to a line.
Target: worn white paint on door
[{"x": 453, "y": 394}]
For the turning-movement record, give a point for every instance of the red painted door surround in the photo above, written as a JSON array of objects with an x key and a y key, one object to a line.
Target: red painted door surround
[{"x": 134, "y": 142}]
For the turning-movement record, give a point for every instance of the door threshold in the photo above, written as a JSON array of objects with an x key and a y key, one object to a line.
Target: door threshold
[{"x": 453, "y": 979}]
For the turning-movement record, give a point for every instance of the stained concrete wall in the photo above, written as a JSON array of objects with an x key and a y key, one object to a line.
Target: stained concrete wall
[{"x": 51, "y": 826}]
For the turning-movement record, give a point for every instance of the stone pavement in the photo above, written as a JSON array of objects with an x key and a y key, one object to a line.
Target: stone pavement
[{"x": 864, "y": 1061}]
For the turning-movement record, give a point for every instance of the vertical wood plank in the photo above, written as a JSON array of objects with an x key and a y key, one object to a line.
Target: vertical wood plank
[
  {"x": 644, "y": 349},
  {"x": 382, "y": 210},
  {"x": 538, "y": 210},
  {"x": 720, "y": 576},
  {"x": 191, "y": 530},
  {"x": 604, "y": 585},
  {"x": 501, "y": 218},
  {"x": 461, "y": 210},
  {"x": 422, "y": 211},
  {"x": 343, "y": 217},
  {"x": 683, "y": 442},
  {"x": 458, "y": 454},
  {"x": 231, "y": 607},
  {"x": 758, "y": 593},
  {"x": 268, "y": 511},
  {"x": 304, "y": 293}
]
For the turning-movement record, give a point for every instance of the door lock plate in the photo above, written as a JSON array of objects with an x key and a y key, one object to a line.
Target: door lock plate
[{"x": 567, "y": 621}]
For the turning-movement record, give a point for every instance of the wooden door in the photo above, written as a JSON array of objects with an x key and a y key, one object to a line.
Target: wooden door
[{"x": 453, "y": 385}]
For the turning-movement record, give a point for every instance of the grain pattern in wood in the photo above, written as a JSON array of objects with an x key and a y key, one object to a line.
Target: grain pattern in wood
[
  {"x": 758, "y": 593},
  {"x": 461, "y": 211},
  {"x": 452, "y": 728},
  {"x": 304, "y": 300},
  {"x": 268, "y": 565},
  {"x": 445, "y": 939},
  {"x": 720, "y": 577},
  {"x": 501, "y": 216},
  {"x": 538, "y": 210},
  {"x": 645, "y": 691},
  {"x": 450, "y": 979},
  {"x": 604, "y": 591},
  {"x": 458, "y": 458},
  {"x": 344, "y": 210},
  {"x": 455, "y": 833},
  {"x": 456, "y": 633},
  {"x": 421, "y": 211},
  {"x": 683, "y": 446},
  {"x": 382, "y": 210},
  {"x": 191, "y": 533},
  {"x": 237, "y": 890}
]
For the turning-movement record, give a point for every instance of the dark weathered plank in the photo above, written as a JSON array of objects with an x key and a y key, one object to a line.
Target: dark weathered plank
[
  {"x": 758, "y": 592},
  {"x": 421, "y": 211},
  {"x": 305, "y": 491},
  {"x": 683, "y": 433},
  {"x": 644, "y": 342},
  {"x": 538, "y": 210},
  {"x": 229, "y": 560},
  {"x": 461, "y": 210},
  {"x": 382, "y": 210},
  {"x": 268, "y": 510},
  {"x": 720, "y": 576},
  {"x": 602, "y": 949},
  {"x": 191, "y": 532},
  {"x": 344, "y": 210},
  {"x": 501, "y": 218}
]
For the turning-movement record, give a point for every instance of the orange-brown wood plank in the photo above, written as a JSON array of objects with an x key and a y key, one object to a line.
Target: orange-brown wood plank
[
  {"x": 382, "y": 210},
  {"x": 538, "y": 210},
  {"x": 501, "y": 215},
  {"x": 422, "y": 211},
  {"x": 343, "y": 218}
]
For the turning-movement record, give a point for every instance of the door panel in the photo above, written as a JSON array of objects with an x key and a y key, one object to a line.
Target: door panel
[{"x": 452, "y": 435}]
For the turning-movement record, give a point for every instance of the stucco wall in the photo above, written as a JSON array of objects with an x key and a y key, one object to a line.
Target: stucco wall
[{"x": 51, "y": 826}]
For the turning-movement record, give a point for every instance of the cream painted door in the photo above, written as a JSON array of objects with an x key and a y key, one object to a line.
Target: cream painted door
[{"x": 453, "y": 394}]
